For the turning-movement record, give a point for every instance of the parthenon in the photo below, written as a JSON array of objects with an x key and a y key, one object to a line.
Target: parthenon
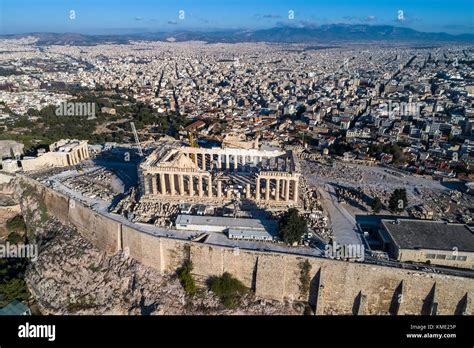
[{"x": 268, "y": 177}]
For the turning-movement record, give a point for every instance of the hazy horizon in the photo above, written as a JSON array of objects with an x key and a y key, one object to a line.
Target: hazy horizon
[{"x": 128, "y": 17}]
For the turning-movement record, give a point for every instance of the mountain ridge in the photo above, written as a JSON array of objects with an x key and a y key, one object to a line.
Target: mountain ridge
[{"x": 330, "y": 33}]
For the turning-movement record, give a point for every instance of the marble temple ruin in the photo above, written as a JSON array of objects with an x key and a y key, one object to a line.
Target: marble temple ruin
[{"x": 268, "y": 177}]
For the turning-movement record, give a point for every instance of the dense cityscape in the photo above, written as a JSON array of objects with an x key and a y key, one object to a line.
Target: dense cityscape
[{"x": 186, "y": 176}]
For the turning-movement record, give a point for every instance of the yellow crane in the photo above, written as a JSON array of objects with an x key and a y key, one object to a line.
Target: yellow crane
[
  {"x": 192, "y": 139},
  {"x": 192, "y": 142}
]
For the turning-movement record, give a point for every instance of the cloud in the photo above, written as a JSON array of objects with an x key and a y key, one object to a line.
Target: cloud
[
  {"x": 297, "y": 24},
  {"x": 138, "y": 18},
  {"x": 268, "y": 16},
  {"x": 358, "y": 20},
  {"x": 272, "y": 16}
]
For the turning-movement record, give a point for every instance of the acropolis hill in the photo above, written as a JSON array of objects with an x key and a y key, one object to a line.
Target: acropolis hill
[{"x": 336, "y": 287}]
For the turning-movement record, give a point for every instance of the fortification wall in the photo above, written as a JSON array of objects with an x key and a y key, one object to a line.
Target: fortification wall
[
  {"x": 142, "y": 247},
  {"x": 57, "y": 204},
  {"x": 102, "y": 231},
  {"x": 336, "y": 287}
]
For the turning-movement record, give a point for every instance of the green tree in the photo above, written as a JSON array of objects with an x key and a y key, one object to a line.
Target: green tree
[
  {"x": 376, "y": 205},
  {"x": 16, "y": 224},
  {"x": 292, "y": 226},
  {"x": 14, "y": 288},
  {"x": 230, "y": 290},
  {"x": 398, "y": 200},
  {"x": 186, "y": 278},
  {"x": 15, "y": 238}
]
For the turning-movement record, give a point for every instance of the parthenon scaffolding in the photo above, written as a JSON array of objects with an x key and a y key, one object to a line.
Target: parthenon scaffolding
[{"x": 268, "y": 177}]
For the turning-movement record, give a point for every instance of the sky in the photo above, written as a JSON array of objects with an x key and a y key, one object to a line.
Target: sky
[{"x": 131, "y": 16}]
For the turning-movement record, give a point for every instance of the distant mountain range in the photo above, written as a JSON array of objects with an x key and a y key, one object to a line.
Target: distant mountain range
[{"x": 325, "y": 34}]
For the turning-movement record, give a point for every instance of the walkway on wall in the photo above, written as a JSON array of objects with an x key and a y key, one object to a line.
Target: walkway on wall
[
  {"x": 343, "y": 224},
  {"x": 219, "y": 239}
]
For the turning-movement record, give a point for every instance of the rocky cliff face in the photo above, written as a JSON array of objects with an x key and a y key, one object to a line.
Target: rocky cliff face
[
  {"x": 9, "y": 206},
  {"x": 71, "y": 276},
  {"x": 7, "y": 211}
]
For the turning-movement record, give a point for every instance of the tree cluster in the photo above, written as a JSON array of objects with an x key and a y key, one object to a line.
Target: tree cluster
[
  {"x": 292, "y": 226},
  {"x": 230, "y": 290}
]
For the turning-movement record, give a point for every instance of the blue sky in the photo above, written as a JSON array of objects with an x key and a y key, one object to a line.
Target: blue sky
[{"x": 127, "y": 16}]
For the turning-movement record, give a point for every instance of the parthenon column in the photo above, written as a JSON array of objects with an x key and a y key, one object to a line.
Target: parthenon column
[
  {"x": 219, "y": 188},
  {"x": 173, "y": 191},
  {"x": 287, "y": 188},
  {"x": 227, "y": 162},
  {"x": 191, "y": 185},
  {"x": 219, "y": 161},
  {"x": 146, "y": 184},
  {"x": 277, "y": 190},
  {"x": 160, "y": 176},
  {"x": 154, "y": 188},
  {"x": 257, "y": 190},
  {"x": 181, "y": 184},
  {"x": 267, "y": 189},
  {"x": 200, "y": 185},
  {"x": 203, "y": 161},
  {"x": 247, "y": 191},
  {"x": 209, "y": 186},
  {"x": 243, "y": 162},
  {"x": 236, "y": 162}
]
